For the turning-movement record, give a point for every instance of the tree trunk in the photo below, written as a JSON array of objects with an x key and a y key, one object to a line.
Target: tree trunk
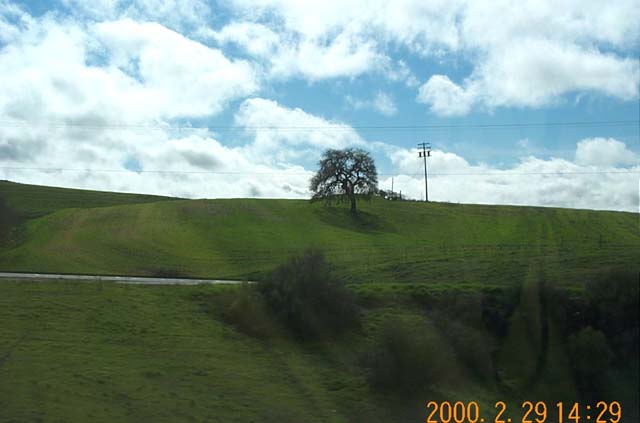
[{"x": 353, "y": 204}]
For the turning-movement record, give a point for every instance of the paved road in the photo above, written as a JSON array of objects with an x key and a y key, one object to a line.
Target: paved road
[{"x": 117, "y": 279}]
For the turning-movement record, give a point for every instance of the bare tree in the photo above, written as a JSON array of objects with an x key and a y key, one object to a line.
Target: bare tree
[{"x": 343, "y": 175}]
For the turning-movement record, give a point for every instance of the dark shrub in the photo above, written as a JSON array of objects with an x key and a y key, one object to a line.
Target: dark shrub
[
  {"x": 472, "y": 345},
  {"x": 610, "y": 303},
  {"x": 462, "y": 305},
  {"x": 497, "y": 307},
  {"x": 590, "y": 357},
  {"x": 403, "y": 359},
  {"x": 569, "y": 309},
  {"x": 241, "y": 307},
  {"x": 9, "y": 221},
  {"x": 246, "y": 310},
  {"x": 308, "y": 298},
  {"x": 615, "y": 299}
]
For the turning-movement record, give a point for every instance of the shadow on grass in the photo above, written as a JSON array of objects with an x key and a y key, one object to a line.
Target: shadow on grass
[
  {"x": 12, "y": 230},
  {"x": 364, "y": 222}
]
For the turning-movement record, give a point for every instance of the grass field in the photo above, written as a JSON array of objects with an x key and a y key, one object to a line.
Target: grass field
[
  {"x": 77, "y": 352},
  {"x": 477, "y": 282},
  {"x": 80, "y": 352},
  {"x": 390, "y": 242},
  {"x": 36, "y": 200}
]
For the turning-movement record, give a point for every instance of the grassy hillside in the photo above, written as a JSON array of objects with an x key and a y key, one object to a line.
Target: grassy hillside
[
  {"x": 79, "y": 352},
  {"x": 390, "y": 242},
  {"x": 34, "y": 200},
  {"x": 495, "y": 303}
]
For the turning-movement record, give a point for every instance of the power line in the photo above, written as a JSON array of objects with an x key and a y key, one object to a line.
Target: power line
[
  {"x": 337, "y": 127},
  {"x": 285, "y": 173}
]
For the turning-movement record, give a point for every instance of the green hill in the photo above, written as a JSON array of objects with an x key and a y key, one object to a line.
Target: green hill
[
  {"x": 35, "y": 200},
  {"x": 77, "y": 231},
  {"x": 509, "y": 304}
]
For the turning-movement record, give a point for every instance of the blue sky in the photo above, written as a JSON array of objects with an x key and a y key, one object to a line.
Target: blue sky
[{"x": 105, "y": 89}]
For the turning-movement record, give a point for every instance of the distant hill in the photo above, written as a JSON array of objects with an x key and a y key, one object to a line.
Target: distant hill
[
  {"x": 36, "y": 200},
  {"x": 76, "y": 231},
  {"x": 486, "y": 303}
]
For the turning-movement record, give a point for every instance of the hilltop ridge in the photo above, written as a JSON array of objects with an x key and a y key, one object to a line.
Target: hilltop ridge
[{"x": 76, "y": 231}]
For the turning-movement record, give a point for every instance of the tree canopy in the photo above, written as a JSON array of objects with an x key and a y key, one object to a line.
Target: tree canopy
[{"x": 343, "y": 175}]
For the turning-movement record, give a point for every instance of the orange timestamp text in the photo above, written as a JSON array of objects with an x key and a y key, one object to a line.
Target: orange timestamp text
[{"x": 528, "y": 412}]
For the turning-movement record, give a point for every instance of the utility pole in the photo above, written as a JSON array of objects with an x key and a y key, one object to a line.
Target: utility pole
[{"x": 426, "y": 152}]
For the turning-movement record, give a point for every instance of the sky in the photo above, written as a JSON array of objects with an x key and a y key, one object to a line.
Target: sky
[{"x": 523, "y": 102}]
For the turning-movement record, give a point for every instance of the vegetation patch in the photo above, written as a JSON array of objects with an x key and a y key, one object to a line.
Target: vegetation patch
[
  {"x": 404, "y": 358},
  {"x": 244, "y": 308},
  {"x": 309, "y": 298},
  {"x": 409, "y": 303},
  {"x": 76, "y": 231}
]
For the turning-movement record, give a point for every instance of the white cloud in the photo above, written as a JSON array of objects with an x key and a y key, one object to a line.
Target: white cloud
[
  {"x": 407, "y": 162},
  {"x": 604, "y": 152},
  {"x": 445, "y": 97},
  {"x": 267, "y": 165},
  {"x": 486, "y": 23},
  {"x": 190, "y": 164},
  {"x": 535, "y": 73},
  {"x": 523, "y": 54},
  {"x": 542, "y": 51},
  {"x": 149, "y": 73},
  {"x": 257, "y": 39},
  {"x": 13, "y": 19},
  {"x": 331, "y": 39},
  {"x": 283, "y": 135},
  {"x": 381, "y": 102},
  {"x": 174, "y": 14},
  {"x": 181, "y": 77},
  {"x": 347, "y": 54},
  {"x": 532, "y": 73},
  {"x": 400, "y": 71},
  {"x": 604, "y": 184},
  {"x": 297, "y": 55},
  {"x": 99, "y": 96},
  {"x": 70, "y": 92},
  {"x": 413, "y": 23},
  {"x": 96, "y": 9},
  {"x": 384, "y": 104}
]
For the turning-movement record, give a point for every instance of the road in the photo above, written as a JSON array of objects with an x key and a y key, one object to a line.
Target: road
[{"x": 134, "y": 280}]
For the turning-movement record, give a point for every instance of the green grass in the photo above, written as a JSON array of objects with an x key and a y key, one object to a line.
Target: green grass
[
  {"x": 107, "y": 352},
  {"x": 35, "y": 200},
  {"x": 77, "y": 352},
  {"x": 390, "y": 242},
  {"x": 84, "y": 352}
]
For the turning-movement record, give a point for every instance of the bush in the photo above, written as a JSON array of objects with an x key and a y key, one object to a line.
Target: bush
[
  {"x": 590, "y": 357},
  {"x": 570, "y": 310},
  {"x": 245, "y": 309},
  {"x": 497, "y": 307},
  {"x": 473, "y": 346},
  {"x": 9, "y": 220},
  {"x": 610, "y": 303},
  {"x": 615, "y": 297},
  {"x": 403, "y": 359},
  {"x": 305, "y": 294},
  {"x": 241, "y": 307}
]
